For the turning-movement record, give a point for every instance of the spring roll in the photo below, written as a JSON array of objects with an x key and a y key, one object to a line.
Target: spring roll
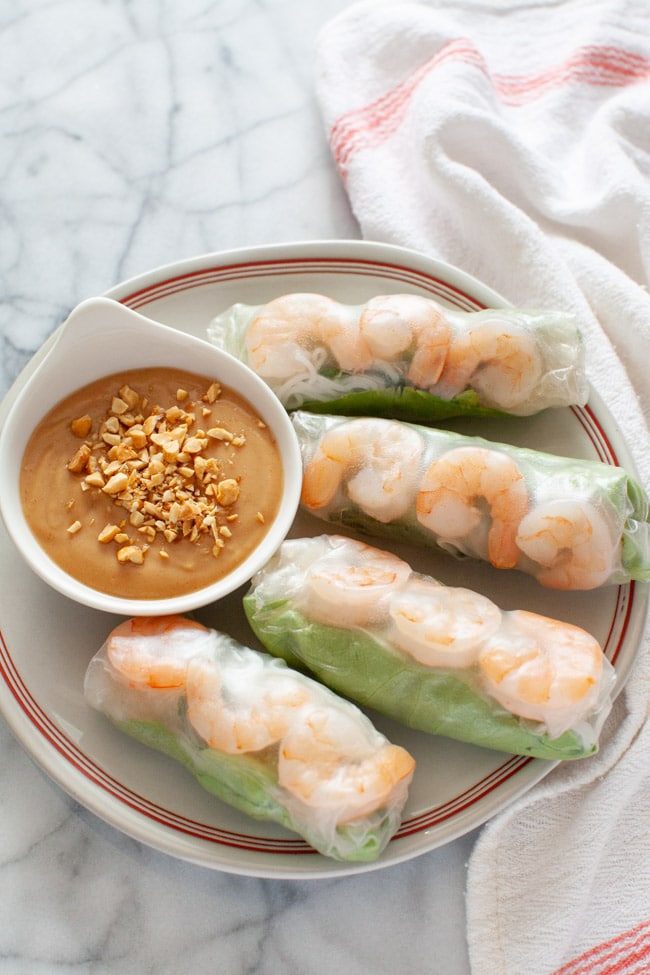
[
  {"x": 572, "y": 524},
  {"x": 443, "y": 660},
  {"x": 406, "y": 356},
  {"x": 268, "y": 740}
]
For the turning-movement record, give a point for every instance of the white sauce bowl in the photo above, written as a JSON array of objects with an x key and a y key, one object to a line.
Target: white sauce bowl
[{"x": 102, "y": 337}]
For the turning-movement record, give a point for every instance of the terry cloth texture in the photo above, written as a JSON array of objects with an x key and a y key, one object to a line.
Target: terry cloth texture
[{"x": 512, "y": 140}]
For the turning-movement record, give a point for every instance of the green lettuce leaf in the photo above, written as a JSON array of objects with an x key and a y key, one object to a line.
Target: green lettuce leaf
[
  {"x": 402, "y": 403},
  {"x": 437, "y": 701},
  {"x": 247, "y": 783}
]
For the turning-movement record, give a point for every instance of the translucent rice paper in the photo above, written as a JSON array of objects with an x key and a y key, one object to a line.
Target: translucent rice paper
[
  {"x": 345, "y": 784},
  {"x": 405, "y": 356},
  {"x": 572, "y": 524},
  {"x": 443, "y": 660}
]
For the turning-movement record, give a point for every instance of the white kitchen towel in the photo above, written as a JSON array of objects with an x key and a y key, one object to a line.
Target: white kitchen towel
[{"x": 512, "y": 139}]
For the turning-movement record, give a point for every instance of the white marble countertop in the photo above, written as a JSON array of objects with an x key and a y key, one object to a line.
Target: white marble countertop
[{"x": 135, "y": 134}]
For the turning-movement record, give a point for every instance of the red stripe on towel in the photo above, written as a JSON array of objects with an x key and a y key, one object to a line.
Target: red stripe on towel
[
  {"x": 375, "y": 122},
  {"x": 627, "y": 954},
  {"x": 595, "y": 65}
]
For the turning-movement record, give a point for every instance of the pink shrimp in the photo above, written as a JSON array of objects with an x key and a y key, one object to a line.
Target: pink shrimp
[
  {"x": 456, "y": 480},
  {"x": 331, "y": 761},
  {"x": 155, "y": 651},
  {"x": 250, "y": 709},
  {"x": 398, "y": 324},
  {"x": 572, "y": 544},
  {"x": 501, "y": 361},
  {"x": 377, "y": 461},
  {"x": 441, "y": 626},
  {"x": 351, "y": 584},
  {"x": 282, "y": 336},
  {"x": 543, "y": 669}
]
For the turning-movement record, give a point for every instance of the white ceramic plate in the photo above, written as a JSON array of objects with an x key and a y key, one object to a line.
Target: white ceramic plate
[{"x": 47, "y": 641}]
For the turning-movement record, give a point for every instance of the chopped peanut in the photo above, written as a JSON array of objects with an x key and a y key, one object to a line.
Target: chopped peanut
[
  {"x": 82, "y": 426},
  {"x": 227, "y": 491},
  {"x": 138, "y": 437},
  {"x": 213, "y": 393},
  {"x": 130, "y": 553},
  {"x": 113, "y": 439},
  {"x": 108, "y": 533},
  {"x": 117, "y": 483},
  {"x": 119, "y": 406},
  {"x": 149, "y": 424},
  {"x": 219, "y": 433},
  {"x": 151, "y": 462},
  {"x": 96, "y": 479},
  {"x": 80, "y": 459},
  {"x": 130, "y": 397},
  {"x": 194, "y": 445}
]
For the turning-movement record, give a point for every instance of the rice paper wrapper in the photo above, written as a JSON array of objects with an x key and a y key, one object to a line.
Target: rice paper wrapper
[
  {"x": 572, "y": 524},
  {"x": 406, "y": 356},
  {"x": 438, "y": 659},
  {"x": 291, "y": 751}
]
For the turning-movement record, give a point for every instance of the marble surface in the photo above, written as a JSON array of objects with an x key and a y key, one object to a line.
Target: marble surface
[{"x": 134, "y": 134}]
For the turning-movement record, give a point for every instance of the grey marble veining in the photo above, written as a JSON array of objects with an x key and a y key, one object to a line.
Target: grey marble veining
[
  {"x": 134, "y": 134},
  {"x": 77, "y": 896}
]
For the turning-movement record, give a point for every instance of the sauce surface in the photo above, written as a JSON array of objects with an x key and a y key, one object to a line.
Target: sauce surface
[{"x": 151, "y": 483}]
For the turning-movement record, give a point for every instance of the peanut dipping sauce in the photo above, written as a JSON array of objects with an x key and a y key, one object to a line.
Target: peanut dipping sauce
[{"x": 151, "y": 483}]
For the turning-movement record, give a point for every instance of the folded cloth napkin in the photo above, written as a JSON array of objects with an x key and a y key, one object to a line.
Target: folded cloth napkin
[{"x": 512, "y": 139}]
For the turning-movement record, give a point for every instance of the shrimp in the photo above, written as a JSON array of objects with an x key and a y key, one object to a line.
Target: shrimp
[
  {"x": 543, "y": 669},
  {"x": 333, "y": 763},
  {"x": 251, "y": 709},
  {"x": 398, "y": 324},
  {"x": 350, "y": 584},
  {"x": 501, "y": 361},
  {"x": 441, "y": 626},
  {"x": 462, "y": 476},
  {"x": 156, "y": 651},
  {"x": 378, "y": 460},
  {"x": 572, "y": 543},
  {"x": 283, "y": 336}
]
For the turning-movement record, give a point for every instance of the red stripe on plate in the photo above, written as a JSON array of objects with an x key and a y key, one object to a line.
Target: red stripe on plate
[
  {"x": 85, "y": 766},
  {"x": 465, "y": 800},
  {"x": 620, "y": 621},
  {"x": 596, "y": 434},
  {"x": 234, "y": 272}
]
